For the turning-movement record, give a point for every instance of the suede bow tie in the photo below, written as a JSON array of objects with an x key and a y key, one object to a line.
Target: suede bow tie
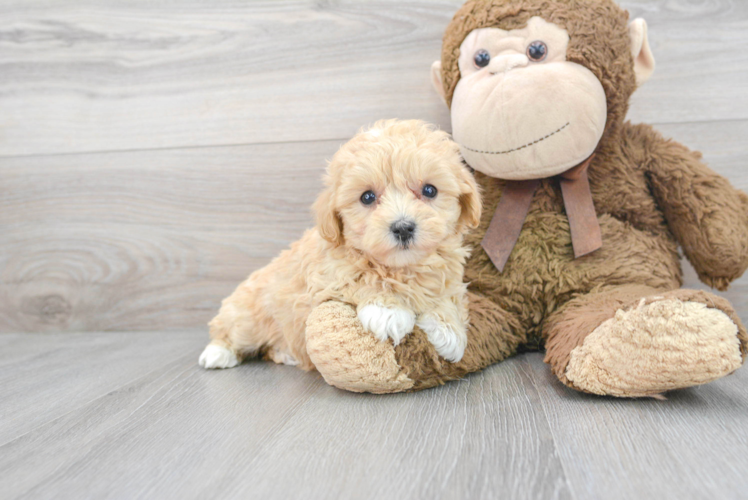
[{"x": 507, "y": 222}]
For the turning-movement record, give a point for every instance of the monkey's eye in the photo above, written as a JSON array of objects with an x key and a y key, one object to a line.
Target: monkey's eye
[
  {"x": 537, "y": 51},
  {"x": 482, "y": 58},
  {"x": 368, "y": 198},
  {"x": 429, "y": 191}
]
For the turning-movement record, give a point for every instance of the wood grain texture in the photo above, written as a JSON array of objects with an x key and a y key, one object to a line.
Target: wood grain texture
[
  {"x": 149, "y": 240},
  {"x": 694, "y": 445},
  {"x": 153, "y": 239},
  {"x": 160, "y": 427},
  {"x": 138, "y": 75},
  {"x": 697, "y": 79},
  {"x": 134, "y": 76},
  {"x": 484, "y": 437},
  {"x": 45, "y": 376},
  {"x": 128, "y": 241},
  {"x": 153, "y": 154},
  {"x": 275, "y": 432},
  {"x": 173, "y": 430}
]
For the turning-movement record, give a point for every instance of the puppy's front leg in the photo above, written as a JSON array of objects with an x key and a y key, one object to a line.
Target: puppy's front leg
[
  {"x": 386, "y": 321},
  {"x": 446, "y": 330}
]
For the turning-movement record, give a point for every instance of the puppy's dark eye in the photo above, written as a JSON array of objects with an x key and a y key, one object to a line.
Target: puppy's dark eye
[
  {"x": 482, "y": 58},
  {"x": 368, "y": 198},
  {"x": 429, "y": 191},
  {"x": 537, "y": 51}
]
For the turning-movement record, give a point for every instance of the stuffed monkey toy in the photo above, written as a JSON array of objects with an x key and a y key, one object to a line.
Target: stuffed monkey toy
[{"x": 577, "y": 251}]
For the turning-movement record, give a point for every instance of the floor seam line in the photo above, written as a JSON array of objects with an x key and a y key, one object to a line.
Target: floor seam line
[
  {"x": 550, "y": 428},
  {"x": 81, "y": 406},
  {"x": 171, "y": 148}
]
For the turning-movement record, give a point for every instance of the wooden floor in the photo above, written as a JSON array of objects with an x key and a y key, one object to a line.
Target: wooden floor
[
  {"x": 131, "y": 415},
  {"x": 152, "y": 154}
]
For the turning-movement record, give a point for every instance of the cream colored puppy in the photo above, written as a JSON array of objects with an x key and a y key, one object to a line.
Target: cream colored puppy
[{"x": 388, "y": 240}]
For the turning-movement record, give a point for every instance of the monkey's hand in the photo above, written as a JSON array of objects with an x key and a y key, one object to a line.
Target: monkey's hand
[{"x": 708, "y": 217}]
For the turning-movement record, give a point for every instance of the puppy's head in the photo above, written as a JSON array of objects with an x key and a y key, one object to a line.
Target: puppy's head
[{"x": 396, "y": 192}]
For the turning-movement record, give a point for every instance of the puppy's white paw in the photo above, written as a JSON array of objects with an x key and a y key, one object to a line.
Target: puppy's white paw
[
  {"x": 216, "y": 356},
  {"x": 449, "y": 342},
  {"x": 385, "y": 322}
]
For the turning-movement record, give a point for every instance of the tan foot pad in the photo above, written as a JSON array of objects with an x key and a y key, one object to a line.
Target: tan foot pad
[
  {"x": 656, "y": 347},
  {"x": 349, "y": 357}
]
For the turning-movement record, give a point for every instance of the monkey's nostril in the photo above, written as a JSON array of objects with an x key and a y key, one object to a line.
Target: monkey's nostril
[{"x": 403, "y": 230}]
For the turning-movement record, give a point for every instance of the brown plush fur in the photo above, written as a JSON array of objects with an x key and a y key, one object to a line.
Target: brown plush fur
[
  {"x": 421, "y": 364},
  {"x": 651, "y": 195},
  {"x": 569, "y": 326}
]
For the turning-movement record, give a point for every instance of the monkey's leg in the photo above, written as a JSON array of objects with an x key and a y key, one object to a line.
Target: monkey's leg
[
  {"x": 634, "y": 341},
  {"x": 350, "y": 358}
]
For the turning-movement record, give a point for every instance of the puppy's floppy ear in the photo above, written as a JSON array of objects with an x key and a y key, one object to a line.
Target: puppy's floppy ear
[
  {"x": 329, "y": 223},
  {"x": 471, "y": 204}
]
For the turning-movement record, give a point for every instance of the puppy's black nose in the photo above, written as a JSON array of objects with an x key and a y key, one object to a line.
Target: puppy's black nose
[{"x": 403, "y": 231}]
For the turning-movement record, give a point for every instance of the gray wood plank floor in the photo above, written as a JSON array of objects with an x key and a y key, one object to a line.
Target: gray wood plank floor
[
  {"x": 155, "y": 425},
  {"x": 152, "y": 154}
]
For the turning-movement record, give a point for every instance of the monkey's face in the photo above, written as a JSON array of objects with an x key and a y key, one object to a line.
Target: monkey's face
[{"x": 520, "y": 109}]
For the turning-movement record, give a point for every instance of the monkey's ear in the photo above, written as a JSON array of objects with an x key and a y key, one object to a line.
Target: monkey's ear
[
  {"x": 436, "y": 79},
  {"x": 470, "y": 200},
  {"x": 644, "y": 61},
  {"x": 329, "y": 223}
]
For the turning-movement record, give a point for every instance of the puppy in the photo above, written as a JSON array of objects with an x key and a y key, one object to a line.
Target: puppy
[{"x": 388, "y": 240}]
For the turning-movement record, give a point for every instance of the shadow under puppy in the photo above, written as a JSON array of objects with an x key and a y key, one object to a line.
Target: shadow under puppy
[{"x": 389, "y": 240}]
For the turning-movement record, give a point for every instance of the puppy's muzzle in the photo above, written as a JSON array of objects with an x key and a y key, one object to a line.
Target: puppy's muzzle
[{"x": 403, "y": 230}]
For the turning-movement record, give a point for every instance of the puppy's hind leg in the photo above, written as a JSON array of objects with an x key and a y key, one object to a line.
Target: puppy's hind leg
[
  {"x": 234, "y": 336},
  {"x": 216, "y": 355}
]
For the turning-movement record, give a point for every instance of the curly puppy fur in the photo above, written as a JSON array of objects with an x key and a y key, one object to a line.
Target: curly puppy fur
[{"x": 352, "y": 255}]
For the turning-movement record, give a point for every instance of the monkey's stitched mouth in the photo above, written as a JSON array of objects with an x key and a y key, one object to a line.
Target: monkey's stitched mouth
[{"x": 519, "y": 148}]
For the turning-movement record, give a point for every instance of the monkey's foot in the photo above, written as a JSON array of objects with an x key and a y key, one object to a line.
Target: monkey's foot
[{"x": 661, "y": 344}]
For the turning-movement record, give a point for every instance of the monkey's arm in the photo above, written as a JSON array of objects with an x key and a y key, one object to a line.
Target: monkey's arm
[{"x": 708, "y": 217}]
